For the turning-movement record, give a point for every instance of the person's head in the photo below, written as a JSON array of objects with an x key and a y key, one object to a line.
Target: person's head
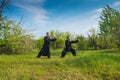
[
  {"x": 47, "y": 34},
  {"x": 68, "y": 37}
]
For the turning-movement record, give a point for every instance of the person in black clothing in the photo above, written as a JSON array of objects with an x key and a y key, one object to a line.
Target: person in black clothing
[
  {"x": 68, "y": 47},
  {"x": 45, "y": 50}
]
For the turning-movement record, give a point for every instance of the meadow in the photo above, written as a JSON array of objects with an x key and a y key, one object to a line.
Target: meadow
[{"x": 87, "y": 65}]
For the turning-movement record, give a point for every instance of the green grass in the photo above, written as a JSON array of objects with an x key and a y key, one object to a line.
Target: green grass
[{"x": 87, "y": 65}]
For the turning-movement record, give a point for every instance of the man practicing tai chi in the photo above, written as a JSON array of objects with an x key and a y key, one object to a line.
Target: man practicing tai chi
[
  {"x": 45, "y": 51},
  {"x": 68, "y": 47}
]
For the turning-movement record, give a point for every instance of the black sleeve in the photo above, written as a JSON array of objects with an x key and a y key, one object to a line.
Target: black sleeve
[
  {"x": 53, "y": 39},
  {"x": 74, "y": 41}
]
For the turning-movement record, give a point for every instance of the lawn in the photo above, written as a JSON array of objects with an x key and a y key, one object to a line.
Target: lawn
[{"x": 87, "y": 65}]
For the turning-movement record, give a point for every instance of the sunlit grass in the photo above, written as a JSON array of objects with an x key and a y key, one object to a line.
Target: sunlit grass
[{"x": 92, "y": 65}]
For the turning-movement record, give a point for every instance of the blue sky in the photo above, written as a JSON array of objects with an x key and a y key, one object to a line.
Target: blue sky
[{"x": 75, "y": 16}]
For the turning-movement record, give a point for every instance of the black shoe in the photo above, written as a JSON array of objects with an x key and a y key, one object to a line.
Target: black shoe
[{"x": 48, "y": 56}]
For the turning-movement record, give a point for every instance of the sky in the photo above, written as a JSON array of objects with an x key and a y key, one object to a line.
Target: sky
[{"x": 75, "y": 16}]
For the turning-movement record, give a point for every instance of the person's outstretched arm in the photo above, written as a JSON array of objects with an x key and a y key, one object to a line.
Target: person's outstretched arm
[
  {"x": 53, "y": 39},
  {"x": 75, "y": 41}
]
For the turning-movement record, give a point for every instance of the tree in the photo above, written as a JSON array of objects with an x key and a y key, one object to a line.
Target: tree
[
  {"x": 39, "y": 42},
  {"x": 61, "y": 36},
  {"x": 59, "y": 43},
  {"x": 14, "y": 40},
  {"x": 4, "y": 6},
  {"x": 93, "y": 36},
  {"x": 3, "y": 24},
  {"x": 5, "y": 31},
  {"x": 83, "y": 43},
  {"x": 110, "y": 27},
  {"x": 116, "y": 29}
]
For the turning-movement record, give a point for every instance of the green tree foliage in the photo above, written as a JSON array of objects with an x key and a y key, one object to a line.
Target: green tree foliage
[
  {"x": 83, "y": 43},
  {"x": 110, "y": 27},
  {"x": 39, "y": 42},
  {"x": 116, "y": 29},
  {"x": 4, "y": 5},
  {"x": 93, "y": 37},
  {"x": 108, "y": 35},
  {"x": 61, "y": 37},
  {"x": 58, "y": 44},
  {"x": 13, "y": 39}
]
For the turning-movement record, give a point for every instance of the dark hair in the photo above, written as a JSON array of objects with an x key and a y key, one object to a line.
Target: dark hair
[
  {"x": 47, "y": 32},
  {"x": 68, "y": 36}
]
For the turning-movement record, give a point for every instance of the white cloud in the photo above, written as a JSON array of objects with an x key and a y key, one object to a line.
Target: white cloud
[
  {"x": 78, "y": 24},
  {"x": 97, "y": 11},
  {"x": 116, "y": 4},
  {"x": 34, "y": 16},
  {"x": 32, "y": 12}
]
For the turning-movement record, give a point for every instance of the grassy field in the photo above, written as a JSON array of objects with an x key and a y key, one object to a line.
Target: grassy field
[{"x": 87, "y": 65}]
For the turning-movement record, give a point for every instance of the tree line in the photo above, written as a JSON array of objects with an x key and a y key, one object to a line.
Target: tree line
[
  {"x": 14, "y": 40},
  {"x": 106, "y": 36}
]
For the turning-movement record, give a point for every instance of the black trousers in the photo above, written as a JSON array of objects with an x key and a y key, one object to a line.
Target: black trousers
[
  {"x": 43, "y": 52},
  {"x": 68, "y": 50}
]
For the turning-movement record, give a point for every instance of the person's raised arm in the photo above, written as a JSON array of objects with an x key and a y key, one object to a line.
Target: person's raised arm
[
  {"x": 53, "y": 39},
  {"x": 75, "y": 41}
]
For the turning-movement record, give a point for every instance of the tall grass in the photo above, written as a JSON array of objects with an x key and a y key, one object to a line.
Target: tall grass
[{"x": 87, "y": 65}]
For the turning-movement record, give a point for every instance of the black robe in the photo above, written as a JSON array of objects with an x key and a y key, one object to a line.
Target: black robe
[
  {"x": 45, "y": 50},
  {"x": 68, "y": 47}
]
